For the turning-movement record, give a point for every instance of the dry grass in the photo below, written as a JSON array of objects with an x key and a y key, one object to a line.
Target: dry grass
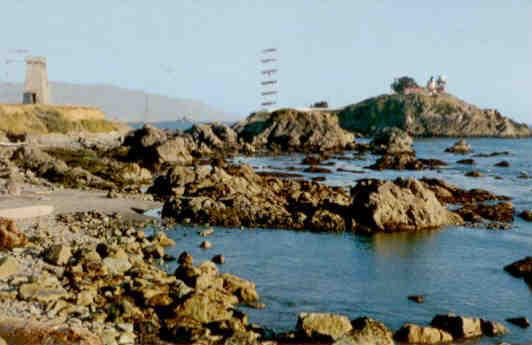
[{"x": 49, "y": 119}]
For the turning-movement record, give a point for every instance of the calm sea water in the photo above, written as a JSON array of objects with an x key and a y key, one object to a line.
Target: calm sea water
[{"x": 458, "y": 269}]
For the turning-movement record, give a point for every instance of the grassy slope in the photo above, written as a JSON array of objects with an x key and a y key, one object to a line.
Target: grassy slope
[{"x": 49, "y": 120}]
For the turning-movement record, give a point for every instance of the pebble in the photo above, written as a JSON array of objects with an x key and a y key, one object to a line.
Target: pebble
[{"x": 206, "y": 245}]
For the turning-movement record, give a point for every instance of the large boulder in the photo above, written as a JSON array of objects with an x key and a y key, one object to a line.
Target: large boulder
[
  {"x": 413, "y": 334},
  {"x": 366, "y": 331},
  {"x": 320, "y": 326},
  {"x": 400, "y": 205},
  {"x": 145, "y": 137},
  {"x": 152, "y": 147},
  {"x": 391, "y": 140},
  {"x": 461, "y": 146},
  {"x": 294, "y": 130}
]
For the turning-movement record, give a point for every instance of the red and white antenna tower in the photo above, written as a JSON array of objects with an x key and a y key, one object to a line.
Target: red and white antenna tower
[{"x": 268, "y": 63}]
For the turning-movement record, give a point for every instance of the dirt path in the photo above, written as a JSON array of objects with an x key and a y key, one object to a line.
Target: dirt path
[{"x": 74, "y": 200}]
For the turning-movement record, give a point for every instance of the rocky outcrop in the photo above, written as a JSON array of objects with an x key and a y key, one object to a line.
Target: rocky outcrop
[
  {"x": 293, "y": 130},
  {"x": 230, "y": 195},
  {"x": 461, "y": 147},
  {"x": 56, "y": 170},
  {"x": 322, "y": 326},
  {"x": 366, "y": 331},
  {"x": 400, "y": 205},
  {"x": 452, "y": 194},
  {"x": 474, "y": 208},
  {"x": 154, "y": 148},
  {"x": 413, "y": 334},
  {"x": 214, "y": 137},
  {"x": 234, "y": 196},
  {"x": 427, "y": 116},
  {"x": 391, "y": 140},
  {"x": 501, "y": 212},
  {"x": 395, "y": 146}
]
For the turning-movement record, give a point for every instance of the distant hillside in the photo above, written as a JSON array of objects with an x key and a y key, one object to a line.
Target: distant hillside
[
  {"x": 423, "y": 115},
  {"x": 121, "y": 104}
]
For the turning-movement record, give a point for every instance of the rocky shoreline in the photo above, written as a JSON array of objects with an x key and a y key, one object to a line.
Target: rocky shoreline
[{"x": 99, "y": 276}]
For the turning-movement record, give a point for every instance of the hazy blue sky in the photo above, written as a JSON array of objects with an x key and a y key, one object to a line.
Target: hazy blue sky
[{"x": 341, "y": 51}]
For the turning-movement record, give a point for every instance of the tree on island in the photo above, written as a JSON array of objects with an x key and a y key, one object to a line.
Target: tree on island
[{"x": 399, "y": 85}]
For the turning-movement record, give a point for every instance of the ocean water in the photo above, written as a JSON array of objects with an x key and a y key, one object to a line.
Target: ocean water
[{"x": 457, "y": 269}]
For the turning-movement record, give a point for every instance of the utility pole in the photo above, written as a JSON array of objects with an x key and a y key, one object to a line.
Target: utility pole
[{"x": 268, "y": 63}]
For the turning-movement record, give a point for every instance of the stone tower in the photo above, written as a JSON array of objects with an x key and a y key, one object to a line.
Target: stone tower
[{"x": 36, "y": 90}]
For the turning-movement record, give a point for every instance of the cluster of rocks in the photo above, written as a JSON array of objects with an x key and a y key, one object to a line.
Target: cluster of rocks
[
  {"x": 234, "y": 196},
  {"x": 339, "y": 330},
  {"x": 281, "y": 131},
  {"x": 476, "y": 205},
  {"x": 112, "y": 285},
  {"x": 446, "y": 328},
  {"x": 80, "y": 168},
  {"x": 155, "y": 148}
]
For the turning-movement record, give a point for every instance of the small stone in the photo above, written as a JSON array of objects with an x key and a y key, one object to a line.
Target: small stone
[
  {"x": 520, "y": 321},
  {"x": 8, "y": 266},
  {"x": 523, "y": 175},
  {"x": 474, "y": 173},
  {"x": 86, "y": 297},
  {"x": 206, "y": 232},
  {"x": 218, "y": 259},
  {"x": 467, "y": 161},
  {"x": 526, "y": 215},
  {"x": 417, "y": 298},
  {"x": 206, "y": 245},
  {"x": 58, "y": 254},
  {"x": 503, "y": 164}
]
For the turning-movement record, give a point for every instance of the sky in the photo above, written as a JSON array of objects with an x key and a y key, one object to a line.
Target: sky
[{"x": 339, "y": 51}]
